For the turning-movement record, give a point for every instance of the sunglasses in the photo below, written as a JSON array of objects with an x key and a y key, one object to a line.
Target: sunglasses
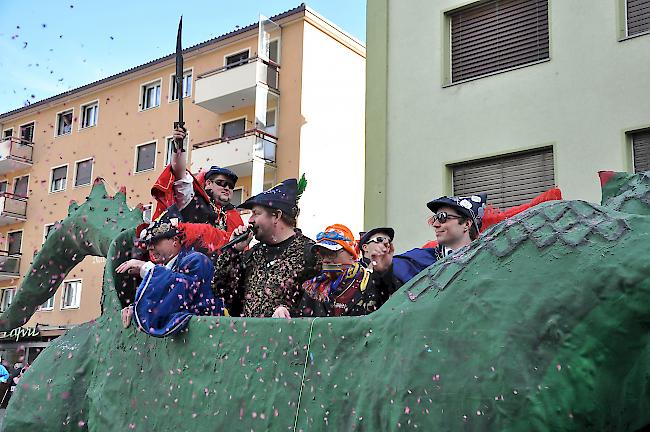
[
  {"x": 380, "y": 239},
  {"x": 224, "y": 184},
  {"x": 442, "y": 217},
  {"x": 327, "y": 253}
]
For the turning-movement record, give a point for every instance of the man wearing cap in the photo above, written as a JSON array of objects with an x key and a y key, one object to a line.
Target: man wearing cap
[
  {"x": 270, "y": 274},
  {"x": 175, "y": 288},
  {"x": 456, "y": 220},
  {"x": 370, "y": 241},
  {"x": 203, "y": 201},
  {"x": 344, "y": 287}
]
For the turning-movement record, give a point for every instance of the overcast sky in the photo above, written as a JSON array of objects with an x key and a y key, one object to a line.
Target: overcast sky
[{"x": 50, "y": 46}]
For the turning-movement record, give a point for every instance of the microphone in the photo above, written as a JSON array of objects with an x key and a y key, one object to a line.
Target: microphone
[{"x": 240, "y": 238}]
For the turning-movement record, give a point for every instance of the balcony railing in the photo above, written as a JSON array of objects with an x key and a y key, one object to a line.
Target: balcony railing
[
  {"x": 236, "y": 152},
  {"x": 15, "y": 154},
  {"x": 9, "y": 265},
  {"x": 234, "y": 86},
  {"x": 13, "y": 208}
]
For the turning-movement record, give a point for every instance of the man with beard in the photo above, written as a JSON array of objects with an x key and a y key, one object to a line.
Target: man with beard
[
  {"x": 203, "y": 201},
  {"x": 257, "y": 281}
]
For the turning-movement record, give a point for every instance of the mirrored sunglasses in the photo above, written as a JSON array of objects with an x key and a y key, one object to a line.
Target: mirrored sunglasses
[
  {"x": 443, "y": 216},
  {"x": 224, "y": 184},
  {"x": 380, "y": 239}
]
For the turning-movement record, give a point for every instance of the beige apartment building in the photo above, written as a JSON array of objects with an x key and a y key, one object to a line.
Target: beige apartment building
[{"x": 270, "y": 101}]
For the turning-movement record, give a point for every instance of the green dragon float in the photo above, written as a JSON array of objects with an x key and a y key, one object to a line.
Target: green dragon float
[{"x": 541, "y": 324}]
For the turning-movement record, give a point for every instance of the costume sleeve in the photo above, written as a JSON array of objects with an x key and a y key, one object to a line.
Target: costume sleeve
[
  {"x": 184, "y": 191},
  {"x": 228, "y": 274},
  {"x": 205, "y": 235},
  {"x": 166, "y": 299},
  {"x": 385, "y": 284},
  {"x": 4, "y": 374}
]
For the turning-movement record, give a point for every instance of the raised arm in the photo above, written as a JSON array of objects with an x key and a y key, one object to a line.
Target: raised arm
[{"x": 179, "y": 158}]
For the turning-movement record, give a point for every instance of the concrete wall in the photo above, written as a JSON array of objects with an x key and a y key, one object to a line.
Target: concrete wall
[
  {"x": 332, "y": 136},
  {"x": 593, "y": 89}
]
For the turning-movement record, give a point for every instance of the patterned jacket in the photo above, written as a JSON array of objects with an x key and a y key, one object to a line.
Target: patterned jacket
[{"x": 254, "y": 283}]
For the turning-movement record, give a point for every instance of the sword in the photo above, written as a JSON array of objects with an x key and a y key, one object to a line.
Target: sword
[{"x": 178, "y": 145}]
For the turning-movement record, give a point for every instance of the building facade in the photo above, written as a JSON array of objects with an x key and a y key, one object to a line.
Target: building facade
[
  {"x": 270, "y": 101},
  {"x": 510, "y": 97}
]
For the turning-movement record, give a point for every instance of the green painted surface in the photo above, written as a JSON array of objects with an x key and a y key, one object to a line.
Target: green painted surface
[{"x": 540, "y": 325}]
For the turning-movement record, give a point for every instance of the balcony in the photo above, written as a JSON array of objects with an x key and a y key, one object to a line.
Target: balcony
[
  {"x": 13, "y": 208},
  {"x": 9, "y": 266},
  {"x": 15, "y": 154},
  {"x": 234, "y": 86},
  {"x": 236, "y": 152}
]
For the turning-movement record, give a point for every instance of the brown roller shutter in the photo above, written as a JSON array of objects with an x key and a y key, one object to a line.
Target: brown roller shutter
[
  {"x": 508, "y": 180},
  {"x": 497, "y": 35},
  {"x": 641, "y": 150},
  {"x": 638, "y": 16}
]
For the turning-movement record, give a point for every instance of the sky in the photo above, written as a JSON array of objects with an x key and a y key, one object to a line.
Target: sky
[{"x": 50, "y": 46}]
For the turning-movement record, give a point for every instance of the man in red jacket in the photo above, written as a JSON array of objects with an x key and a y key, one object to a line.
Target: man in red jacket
[{"x": 203, "y": 201}]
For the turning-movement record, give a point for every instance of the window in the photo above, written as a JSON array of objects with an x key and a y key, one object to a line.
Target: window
[
  {"x": 235, "y": 60},
  {"x": 27, "y": 132},
  {"x": 187, "y": 85},
  {"x": 641, "y": 150},
  {"x": 237, "y": 197},
  {"x": 7, "y": 133},
  {"x": 64, "y": 123},
  {"x": 59, "y": 176},
  {"x": 270, "y": 118},
  {"x": 497, "y": 35},
  {"x": 21, "y": 185},
  {"x": 71, "y": 294},
  {"x": 14, "y": 242},
  {"x": 7, "y": 298},
  {"x": 169, "y": 149},
  {"x": 145, "y": 157},
  {"x": 637, "y": 16},
  {"x": 83, "y": 172},
  {"x": 89, "y": 114},
  {"x": 274, "y": 52},
  {"x": 150, "y": 95},
  {"x": 47, "y": 229},
  {"x": 233, "y": 128},
  {"x": 508, "y": 180},
  {"x": 3, "y": 186},
  {"x": 146, "y": 213},
  {"x": 48, "y": 305}
]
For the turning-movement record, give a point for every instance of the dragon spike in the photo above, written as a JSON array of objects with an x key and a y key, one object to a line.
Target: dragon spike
[
  {"x": 140, "y": 207},
  {"x": 123, "y": 190}
]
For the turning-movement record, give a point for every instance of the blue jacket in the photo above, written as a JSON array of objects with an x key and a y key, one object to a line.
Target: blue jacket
[{"x": 168, "y": 297}]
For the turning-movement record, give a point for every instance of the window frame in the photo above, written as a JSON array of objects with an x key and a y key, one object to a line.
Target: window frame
[
  {"x": 46, "y": 231},
  {"x": 13, "y": 296},
  {"x": 625, "y": 28},
  {"x": 82, "y": 110},
  {"x": 15, "y": 180},
  {"x": 170, "y": 97},
  {"x": 143, "y": 87},
  {"x": 243, "y": 191},
  {"x": 22, "y": 238},
  {"x": 56, "y": 124},
  {"x": 168, "y": 141},
  {"x": 155, "y": 157},
  {"x": 76, "y": 168},
  {"x": 4, "y": 131},
  {"x": 232, "y": 54},
  {"x": 147, "y": 208},
  {"x": 65, "y": 184},
  {"x": 20, "y": 127},
  {"x": 77, "y": 294},
  {"x": 6, "y": 182},
  {"x": 49, "y": 308},
  {"x": 234, "y": 119},
  {"x": 629, "y": 141},
  {"x": 447, "y": 76}
]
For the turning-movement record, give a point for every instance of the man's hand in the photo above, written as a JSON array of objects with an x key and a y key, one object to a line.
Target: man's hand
[
  {"x": 179, "y": 136},
  {"x": 281, "y": 312},
  {"x": 127, "y": 313},
  {"x": 239, "y": 247},
  {"x": 382, "y": 258},
  {"x": 131, "y": 266}
]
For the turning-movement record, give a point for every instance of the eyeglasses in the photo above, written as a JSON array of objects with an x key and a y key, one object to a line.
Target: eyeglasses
[
  {"x": 327, "y": 253},
  {"x": 224, "y": 183},
  {"x": 443, "y": 216},
  {"x": 379, "y": 239}
]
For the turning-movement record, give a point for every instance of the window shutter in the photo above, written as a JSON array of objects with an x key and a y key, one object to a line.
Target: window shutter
[
  {"x": 508, "y": 180},
  {"x": 641, "y": 151},
  {"x": 498, "y": 35},
  {"x": 638, "y": 16}
]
